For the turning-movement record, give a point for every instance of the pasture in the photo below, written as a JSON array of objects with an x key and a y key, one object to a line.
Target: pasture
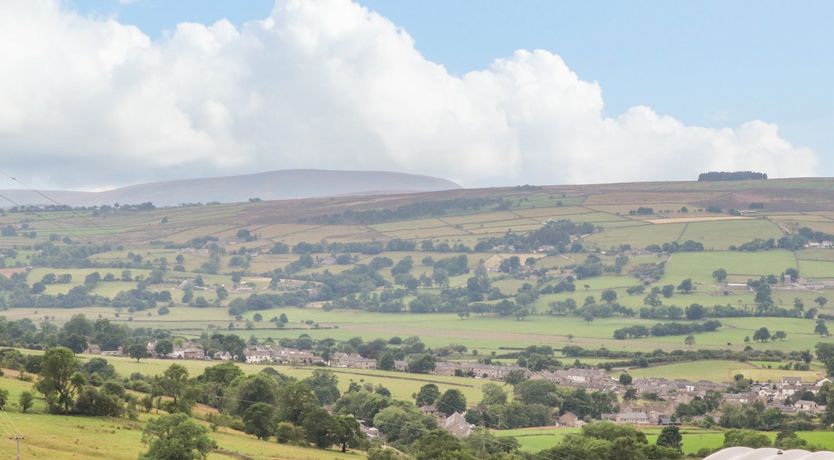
[
  {"x": 63, "y": 437},
  {"x": 694, "y": 438}
]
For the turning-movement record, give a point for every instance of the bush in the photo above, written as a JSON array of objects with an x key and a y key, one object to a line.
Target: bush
[{"x": 287, "y": 433}]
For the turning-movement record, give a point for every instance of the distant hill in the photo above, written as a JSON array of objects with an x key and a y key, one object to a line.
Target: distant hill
[{"x": 272, "y": 185}]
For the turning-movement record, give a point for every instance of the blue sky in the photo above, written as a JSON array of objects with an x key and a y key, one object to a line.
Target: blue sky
[
  {"x": 708, "y": 63},
  {"x": 481, "y": 92}
]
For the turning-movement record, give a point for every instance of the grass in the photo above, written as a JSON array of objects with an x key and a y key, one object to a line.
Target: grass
[
  {"x": 700, "y": 265},
  {"x": 722, "y": 234},
  {"x": 537, "y": 439},
  {"x": 402, "y": 385},
  {"x": 721, "y": 371},
  {"x": 62, "y": 437},
  {"x": 694, "y": 438},
  {"x": 637, "y": 236}
]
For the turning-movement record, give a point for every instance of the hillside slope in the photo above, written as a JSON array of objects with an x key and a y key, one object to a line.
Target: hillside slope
[{"x": 271, "y": 185}]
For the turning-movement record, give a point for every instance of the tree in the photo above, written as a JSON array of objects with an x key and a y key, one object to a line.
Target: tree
[
  {"x": 4, "y": 398},
  {"x": 779, "y": 335},
  {"x": 252, "y": 389},
  {"x": 493, "y": 394},
  {"x": 538, "y": 391},
  {"x": 259, "y": 419},
  {"x": 176, "y": 437},
  {"x": 347, "y": 432},
  {"x": 793, "y": 274},
  {"x": 295, "y": 399},
  {"x": 747, "y": 438},
  {"x": 689, "y": 341},
  {"x": 26, "y": 400},
  {"x": 57, "y": 368},
  {"x": 386, "y": 361},
  {"x": 137, "y": 351},
  {"x": 174, "y": 381},
  {"x": 487, "y": 445},
  {"x": 821, "y": 328},
  {"x": 319, "y": 427},
  {"x": 695, "y": 311},
  {"x": 686, "y": 286},
  {"x": 421, "y": 364},
  {"x": 451, "y": 401},
  {"x": 440, "y": 445},
  {"x": 625, "y": 379},
  {"x": 668, "y": 290},
  {"x": 762, "y": 335},
  {"x": 720, "y": 275},
  {"x": 821, "y": 301},
  {"x": 163, "y": 348},
  {"x": 325, "y": 385},
  {"x": 427, "y": 395},
  {"x": 38, "y": 287},
  {"x": 609, "y": 296},
  {"x": 670, "y": 437}
]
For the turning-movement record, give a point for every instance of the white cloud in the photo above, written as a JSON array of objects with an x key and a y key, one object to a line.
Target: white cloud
[{"x": 325, "y": 84}]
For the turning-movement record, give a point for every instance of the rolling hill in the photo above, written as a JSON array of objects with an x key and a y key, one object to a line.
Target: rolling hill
[{"x": 271, "y": 185}]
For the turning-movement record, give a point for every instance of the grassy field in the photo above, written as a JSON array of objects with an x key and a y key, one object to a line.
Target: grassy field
[
  {"x": 402, "y": 385},
  {"x": 722, "y": 371},
  {"x": 70, "y": 437},
  {"x": 158, "y": 234},
  {"x": 694, "y": 438}
]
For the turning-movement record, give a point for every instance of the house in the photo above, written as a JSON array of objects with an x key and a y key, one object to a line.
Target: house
[
  {"x": 457, "y": 426},
  {"x": 791, "y": 381},
  {"x": 822, "y": 382},
  {"x": 632, "y": 418},
  {"x": 258, "y": 356},
  {"x": 570, "y": 420},
  {"x": 294, "y": 357},
  {"x": 193, "y": 353},
  {"x": 668, "y": 421},
  {"x": 592, "y": 379},
  {"x": 812, "y": 407},
  {"x": 369, "y": 432},
  {"x": 400, "y": 365},
  {"x": 477, "y": 370},
  {"x": 353, "y": 361},
  {"x": 224, "y": 356},
  {"x": 739, "y": 398},
  {"x": 116, "y": 352},
  {"x": 429, "y": 409},
  {"x": 93, "y": 349}
]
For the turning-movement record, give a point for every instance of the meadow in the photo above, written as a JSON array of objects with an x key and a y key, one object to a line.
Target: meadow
[
  {"x": 694, "y": 438},
  {"x": 63, "y": 437}
]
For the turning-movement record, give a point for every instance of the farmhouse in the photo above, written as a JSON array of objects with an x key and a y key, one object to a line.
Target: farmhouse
[
  {"x": 259, "y": 355},
  {"x": 457, "y": 426},
  {"x": 476, "y": 370},
  {"x": 570, "y": 420},
  {"x": 630, "y": 418},
  {"x": 353, "y": 360},
  {"x": 595, "y": 379},
  {"x": 808, "y": 406}
]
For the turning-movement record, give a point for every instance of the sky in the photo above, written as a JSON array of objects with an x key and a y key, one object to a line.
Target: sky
[{"x": 101, "y": 93}]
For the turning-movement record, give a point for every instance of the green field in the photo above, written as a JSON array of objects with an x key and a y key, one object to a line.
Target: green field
[
  {"x": 402, "y": 385},
  {"x": 62, "y": 437},
  {"x": 694, "y": 438}
]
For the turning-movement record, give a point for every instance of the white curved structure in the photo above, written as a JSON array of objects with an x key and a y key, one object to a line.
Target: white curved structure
[{"x": 768, "y": 453}]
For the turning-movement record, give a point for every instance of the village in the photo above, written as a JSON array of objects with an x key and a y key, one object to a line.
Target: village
[{"x": 645, "y": 401}]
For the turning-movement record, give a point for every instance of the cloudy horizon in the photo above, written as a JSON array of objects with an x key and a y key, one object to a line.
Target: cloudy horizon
[{"x": 326, "y": 85}]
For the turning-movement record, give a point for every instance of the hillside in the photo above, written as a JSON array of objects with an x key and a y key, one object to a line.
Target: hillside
[
  {"x": 272, "y": 185},
  {"x": 689, "y": 281}
]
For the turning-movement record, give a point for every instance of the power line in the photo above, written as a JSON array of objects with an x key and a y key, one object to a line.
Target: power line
[{"x": 56, "y": 202}]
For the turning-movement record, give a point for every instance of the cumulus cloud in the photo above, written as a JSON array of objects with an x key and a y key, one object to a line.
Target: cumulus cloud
[{"x": 326, "y": 84}]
